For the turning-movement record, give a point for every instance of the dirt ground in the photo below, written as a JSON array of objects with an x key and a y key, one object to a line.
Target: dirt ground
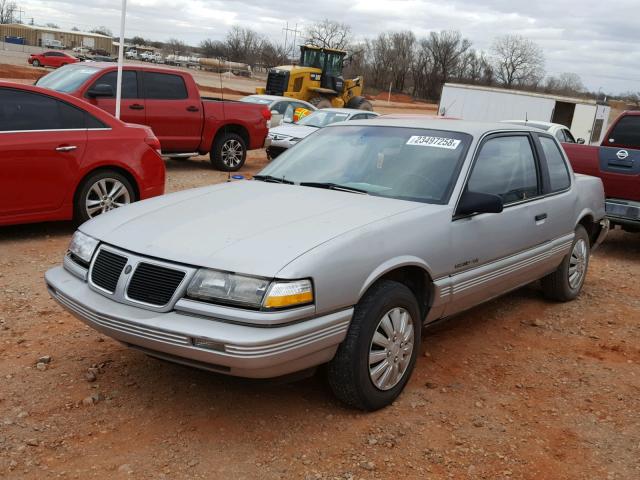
[{"x": 519, "y": 388}]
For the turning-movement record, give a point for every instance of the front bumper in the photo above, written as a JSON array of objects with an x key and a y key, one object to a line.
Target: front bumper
[
  {"x": 625, "y": 212},
  {"x": 239, "y": 350}
]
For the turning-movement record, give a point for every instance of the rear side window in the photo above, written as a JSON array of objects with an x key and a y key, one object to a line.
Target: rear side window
[
  {"x": 129, "y": 82},
  {"x": 558, "y": 171},
  {"x": 506, "y": 167},
  {"x": 164, "y": 86},
  {"x": 626, "y": 133},
  {"x": 21, "y": 111}
]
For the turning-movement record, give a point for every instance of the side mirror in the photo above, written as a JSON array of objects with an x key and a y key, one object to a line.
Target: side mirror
[
  {"x": 476, "y": 202},
  {"x": 101, "y": 90},
  {"x": 580, "y": 141}
]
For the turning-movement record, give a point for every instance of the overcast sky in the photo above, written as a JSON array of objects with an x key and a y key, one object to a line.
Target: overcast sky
[{"x": 599, "y": 40}]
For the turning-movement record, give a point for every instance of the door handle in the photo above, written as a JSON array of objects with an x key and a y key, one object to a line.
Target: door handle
[
  {"x": 191, "y": 108},
  {"x": 541, "y": 217},
  {"x": 66, "y": 148},
  {"x": 136, "y": 106}
]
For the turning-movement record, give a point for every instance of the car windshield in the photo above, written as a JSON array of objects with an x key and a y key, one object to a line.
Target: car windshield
[
  {"x": 258, "y": 100},
  {"x": 68, "y": 78},
  {"x": 397, "y": 162},
  {"x": 322, "y": 118}
]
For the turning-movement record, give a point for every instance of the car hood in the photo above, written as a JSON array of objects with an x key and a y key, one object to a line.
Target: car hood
[
  {"x": 293, "y": 130},
  {"x": 247, "y": 227}
]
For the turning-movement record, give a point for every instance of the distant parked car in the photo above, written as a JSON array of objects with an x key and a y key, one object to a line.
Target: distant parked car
[
  {"x": 282, "y": 108},
  {"x": 81, "y": 50},
  {"x": 52, "y": 44},
  {"x": 561, "y": 132},
  {"x": 286, "y": 136},
  {"x": 338, "y": 252},
  {"x": 62, "y": 158},
  {"x": 131, "y": 54},
  {"x": 53, "y": 59}
]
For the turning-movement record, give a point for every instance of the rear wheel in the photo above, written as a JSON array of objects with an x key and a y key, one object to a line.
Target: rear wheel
[
  {"x": 102, "y": 192},
  {"x": 36, "y": 63},
  {"x": 375, "y": 361},
  {"x": 566, "y": 282},
  {"x": 360, "y": 103},
  {"x": 229, "y": 152},
  {"x": 320, "y": 102}
]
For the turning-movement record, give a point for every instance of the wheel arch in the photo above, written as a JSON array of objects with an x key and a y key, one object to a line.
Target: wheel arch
[
  {"x": 587, "y": 220},
  {"x": 409, "y": 271},
  {"x": 115, "y": 168},
  {"x": 232, "y": 128}
]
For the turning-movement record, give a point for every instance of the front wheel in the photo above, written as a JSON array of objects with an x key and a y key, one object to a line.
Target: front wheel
[
  {"x": 229, "y": 152},
  {"x": 566, "y": 282},
  {"x": 101, "y": 192},
  {"x": 375, "y": 361},
  {"x": 360, "y": 103},
  {"x": 320, "y": 102}
]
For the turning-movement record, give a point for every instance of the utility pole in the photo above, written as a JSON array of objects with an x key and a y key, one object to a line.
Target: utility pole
[
  {"x": 295, "y": 32},
  {"x": 20, "y": 12}
]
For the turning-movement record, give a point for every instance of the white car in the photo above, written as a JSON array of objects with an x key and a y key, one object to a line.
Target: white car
[
  {"x": 132, "y": 54},
  {"x": 286, "y": 136},
  {"x": 282, "y": 108},
  {"x": 561, "y": 132}
]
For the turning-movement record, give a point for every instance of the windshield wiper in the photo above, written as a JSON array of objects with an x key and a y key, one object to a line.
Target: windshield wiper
[
  {"x": 272, "y": 179},
  {"x": 334, "y": 186}
]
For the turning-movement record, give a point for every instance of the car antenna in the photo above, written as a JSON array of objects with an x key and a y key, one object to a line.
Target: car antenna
[
  {"x": 224, "y": 115},
  {"x": 526, "y": 117}
]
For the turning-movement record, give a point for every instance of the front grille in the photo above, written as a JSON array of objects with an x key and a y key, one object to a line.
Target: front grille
[
  {"x": 277, "y": 82},
  {"x": 107, "y": 269},
  {"x": 154, "y": 284}
]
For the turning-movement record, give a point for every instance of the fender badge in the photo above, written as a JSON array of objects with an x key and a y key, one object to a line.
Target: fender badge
[
  {"x": 127, "y": 270},
  {"x": 622, "y": 154}
]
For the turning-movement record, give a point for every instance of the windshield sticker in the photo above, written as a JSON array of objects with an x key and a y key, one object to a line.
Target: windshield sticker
[{"x": 437, "y": 142}]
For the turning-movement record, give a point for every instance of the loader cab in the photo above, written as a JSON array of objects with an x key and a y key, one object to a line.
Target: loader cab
[{"x": 329, "y": 61}]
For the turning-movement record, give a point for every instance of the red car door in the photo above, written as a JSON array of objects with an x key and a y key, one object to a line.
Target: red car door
[
  {"x": 175, "y": 118},
  {"x": 132, "y": 107},
  {"x": 42, "y": 141}
]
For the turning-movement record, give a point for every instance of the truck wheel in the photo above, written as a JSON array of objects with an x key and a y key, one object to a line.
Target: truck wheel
[
  {"x": 566, "y": 282},
  {"x": 229, "y": 152},
  {"x": 101, "y": 192},
  {"x": 376, "y": 359},
  {"x": 36, "y": 63},
  {"x": 320, "y": 102},
  {"x": 360, "y": 103}
]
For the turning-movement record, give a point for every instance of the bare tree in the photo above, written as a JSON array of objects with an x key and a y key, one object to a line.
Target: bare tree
[
  {"x": 329, "y": 34},
  {"x": 517, "y": 60},
  {"x": 272, "y": 54},
  {"x": 51, "y": 25},
  {"x": 173, "y": 46},
  {"x": 213, "y": 48},
  {"x": 102, "y": 30},
  {"x": 243, "y": 45},
  {"x": 7, "y": 10}
]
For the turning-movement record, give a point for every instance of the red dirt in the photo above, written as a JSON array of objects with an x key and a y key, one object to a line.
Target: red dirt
[
  {"x": 23, "y": 73},
  {"x": 395, "y": 97}
]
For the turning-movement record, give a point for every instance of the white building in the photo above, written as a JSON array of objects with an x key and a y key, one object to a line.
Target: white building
[{"x": 585, "y": 118}]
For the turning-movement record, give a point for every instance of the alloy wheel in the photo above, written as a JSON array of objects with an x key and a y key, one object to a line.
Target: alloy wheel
[
  {"x": 232, "y": 153},
  {"x": 577, "y": 263},
  {"x": 105, "y": 195}
]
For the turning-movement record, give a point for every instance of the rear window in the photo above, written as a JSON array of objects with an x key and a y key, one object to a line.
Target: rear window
[
  {"x": 626, "y": 133},
  {"x": 23, "y": 111},
  {"x": 164, "y": 86},
  {"x": 68, "y": 78}
]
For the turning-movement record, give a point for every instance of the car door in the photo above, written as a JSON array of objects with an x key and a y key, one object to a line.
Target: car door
[
  {"x": 175, "y": 118},
  {"x": 495, "y": 252},
  {"x": 132, "y": 107},
  {"x": 42, "y": 141}
]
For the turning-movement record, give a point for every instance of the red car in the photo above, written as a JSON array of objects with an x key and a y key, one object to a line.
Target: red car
[
  {"x": 53, "y": 59},
  {"x": 64, "y": 159},
  {"x": 169, "y": 101}
]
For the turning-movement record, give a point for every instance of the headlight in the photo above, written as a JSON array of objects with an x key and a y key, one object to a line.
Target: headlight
[
  {"x": 83, "y": 246},
  {"x": 214, "y": 286},
  {"x": 289, "y": 294},
  {"x": 211, "y": 286}
]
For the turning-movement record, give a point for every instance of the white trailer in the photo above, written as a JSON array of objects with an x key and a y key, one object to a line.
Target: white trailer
[{"x": 585, "y": 118}]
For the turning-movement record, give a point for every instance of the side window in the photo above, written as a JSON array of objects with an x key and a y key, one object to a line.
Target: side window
[
  {"x": 281, "y": 107},
  {"x": 506, "y": 167},
  {"x": 569, "y": 138},
  {"x": 558, "y": 171},
  {"x": 23, "y": 111},
  {"x": 560, "y": 135},
  {"x": 358, "y": 116},
  {"x": 164, "y": 86},
  {"x": 129, "y": 82},
  {"x": 626, "y": 133}
]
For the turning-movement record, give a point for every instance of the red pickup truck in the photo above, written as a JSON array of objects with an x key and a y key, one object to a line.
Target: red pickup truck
[
  {"x": 169, "y": 102},
  {"x": 617, "y": 163}
]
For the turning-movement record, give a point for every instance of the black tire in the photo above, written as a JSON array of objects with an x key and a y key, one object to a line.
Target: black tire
[
  {"x": 86, "y": 194},
  {"x": 320, "y": 102},
  {"x": 221, "y": 157},
  {"x": 557, "y": 286},
  {"x": 360, "y": 103},
  {"x": 36, "y": 63},
  {"x": 348, "y": 372}
]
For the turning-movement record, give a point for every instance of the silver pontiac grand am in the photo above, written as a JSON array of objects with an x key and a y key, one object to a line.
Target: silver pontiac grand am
[{"x": 338, "y": 252}]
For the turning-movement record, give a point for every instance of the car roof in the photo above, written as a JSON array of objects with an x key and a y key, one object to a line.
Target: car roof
[
  {"x": 352, "y": 111},
  {"x": 535, "y": 122},
  {"x": 475, "y": 129},
  {"x": 276, "y": 97}
]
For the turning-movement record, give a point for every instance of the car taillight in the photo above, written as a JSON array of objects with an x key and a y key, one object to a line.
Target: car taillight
[
  {"x": 266, "y": 113},
  {"x": 154, "y": 143}
]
